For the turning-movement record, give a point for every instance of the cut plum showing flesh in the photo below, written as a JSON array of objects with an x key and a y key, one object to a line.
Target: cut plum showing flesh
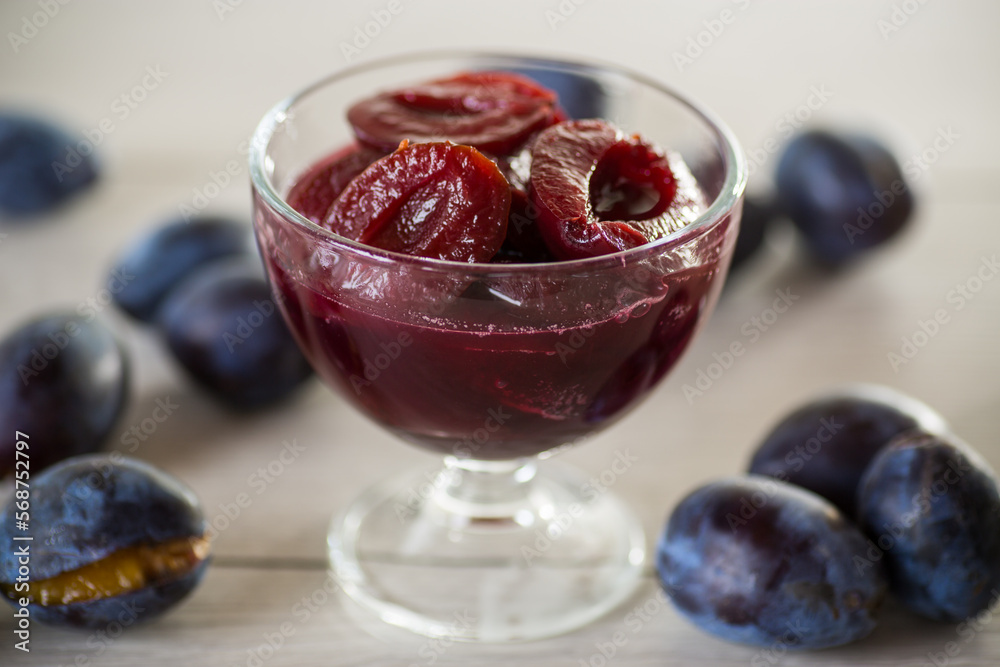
[
  {"x": 313, "y": 195},
  {"x": 494, "y": 112},
  {"x": 600, "y": 191},
  {"x": 436, "y": 200}
]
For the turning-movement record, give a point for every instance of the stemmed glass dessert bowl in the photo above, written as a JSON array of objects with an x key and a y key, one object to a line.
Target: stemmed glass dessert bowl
[{"x": 494, "y": 366}]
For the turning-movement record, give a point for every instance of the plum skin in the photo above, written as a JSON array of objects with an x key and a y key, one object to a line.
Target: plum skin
[
  {"x": 159, "y": 260},
  {"x": 846, "y": 194},
  {"x": 758, "y": 213},
  {"x": 932, "y": 510},
  {"x": 225, "y": 330},
  {"x": 757, "y": 561},
  {"x": 64, "y": 382},
  {"x": 34, "y": 174},
  {"x": 438, "y": 199},
  {"x": 85, "y": 509},
  {"x": 826, "y": 445}
]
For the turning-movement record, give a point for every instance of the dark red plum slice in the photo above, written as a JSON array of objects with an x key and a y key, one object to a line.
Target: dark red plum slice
[
  {"x": 495, "y": 112},
  {"x": 313, "y": 195},
  {"x": 599, "y": 191},
  {"x": 437, "y": 200}
]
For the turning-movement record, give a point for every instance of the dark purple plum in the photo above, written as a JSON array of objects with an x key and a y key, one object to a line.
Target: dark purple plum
[
  {"x": 64, "y": 382},
  {"x": 826, "y": 444},
  {"x": 114, "y": 541},
  {"x": 846, "y": 194},
  {"x": 39, "y": 166},
  {"x": 155, "y": 263},
  {"x": 758, "y": 212},
  {"x": 223, "y": 327},
  {"x": 757, "y": 561},
  {"x": 932, "y": 510}
]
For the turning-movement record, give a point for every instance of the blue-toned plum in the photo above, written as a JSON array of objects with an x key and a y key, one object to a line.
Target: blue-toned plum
[
  {"x": 931, "y": 508},
  {"x": 224, "y": 328},
  {"x": 846, "y": 194},
  {"x": 64, "y": 382},
  {"x": 39, "y": 166},
  {"x": 114, "y": 540},
  {"x": 160, "y": 260},
  {"x": 826, "y": 444},
  {"x": 757, "y": 561}
]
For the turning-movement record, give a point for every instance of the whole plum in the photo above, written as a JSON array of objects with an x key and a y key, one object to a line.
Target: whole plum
[
  {"x": 846, "y": 194},
  {"x": 932, "y": 510},
  {"x": 63, "y": 382},
  {"x": 156, "y": 262},
  {"x": 758, "y": 561},
  {"x": 114, "y": 540},
  {"x": 39, "y": 168},
  {"x": 226, "y": 331},
  {"x": 826, "y": 444}
]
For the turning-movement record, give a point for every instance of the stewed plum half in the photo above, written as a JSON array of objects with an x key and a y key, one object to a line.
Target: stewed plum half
[
  {"x": 313, "y": 195},
  {"x": 437, "y": 200},
  {"x": 495, "y": 112},
  {"x": 600, "y": 191}
]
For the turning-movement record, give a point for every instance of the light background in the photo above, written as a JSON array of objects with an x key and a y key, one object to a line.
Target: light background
[{"x": 908, "y": 71}]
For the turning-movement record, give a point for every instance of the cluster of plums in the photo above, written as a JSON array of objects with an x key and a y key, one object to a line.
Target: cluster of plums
[
  {"x": 111, "y": 534},
  {"x": 851, "y": 496},
  {"x": 199, "y": 285}
]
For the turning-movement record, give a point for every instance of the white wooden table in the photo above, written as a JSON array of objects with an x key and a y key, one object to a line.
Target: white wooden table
[{"x": 197, "y": 76}]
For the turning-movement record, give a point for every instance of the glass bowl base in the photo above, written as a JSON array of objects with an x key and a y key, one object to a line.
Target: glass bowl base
[{"x": 488, "y": 553}]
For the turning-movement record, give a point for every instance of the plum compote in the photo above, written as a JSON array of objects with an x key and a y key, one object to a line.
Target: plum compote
[{"x": 484, "y": 169}]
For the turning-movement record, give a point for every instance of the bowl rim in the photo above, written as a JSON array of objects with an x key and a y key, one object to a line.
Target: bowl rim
[{"x": 731, "y": 191}]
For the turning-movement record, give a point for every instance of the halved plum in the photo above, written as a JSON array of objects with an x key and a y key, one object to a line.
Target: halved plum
[
  {"x": 438, "y": 200},
  {"x": 314, "y": 193},
  {"x": 599, "y": 191},
  {"x": 495, "y": 112}
]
